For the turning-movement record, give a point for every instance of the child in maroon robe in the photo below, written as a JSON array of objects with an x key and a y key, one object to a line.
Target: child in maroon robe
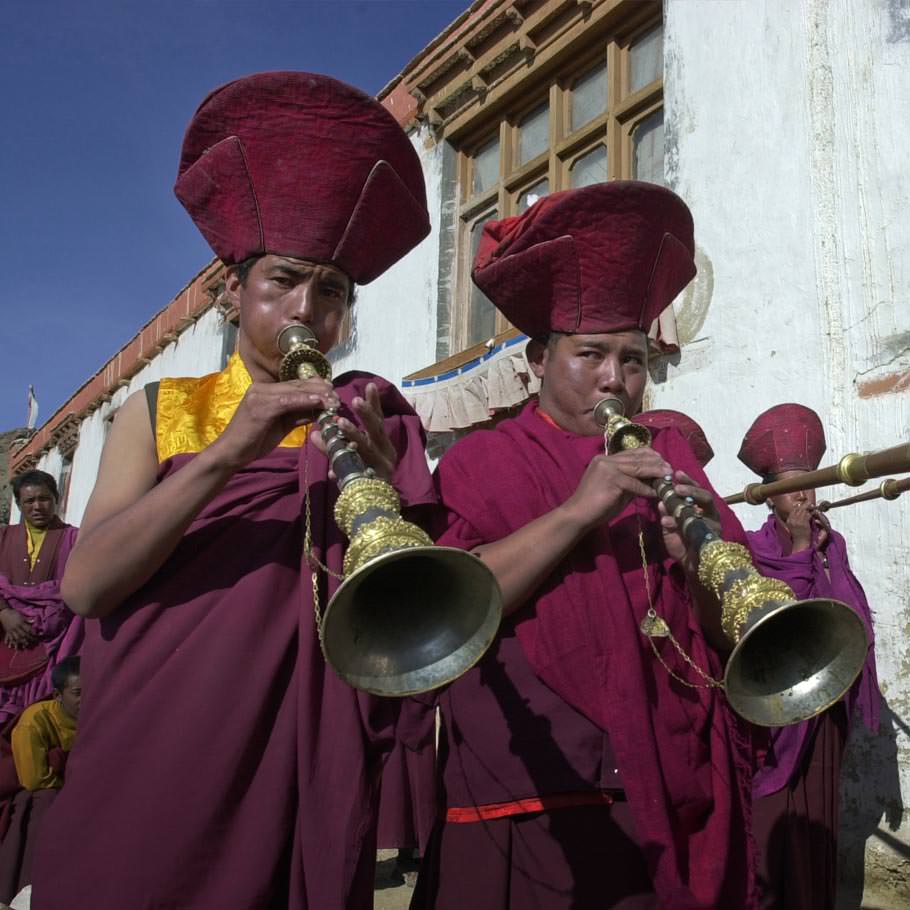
[
  {"x": 584, "y": 763},
  {"x": 220, "y": 763},
  {"x": 797, "y": 789}
]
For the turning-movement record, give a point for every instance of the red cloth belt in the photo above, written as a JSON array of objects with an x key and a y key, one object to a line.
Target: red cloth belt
[{"x": 531, "y": 804}]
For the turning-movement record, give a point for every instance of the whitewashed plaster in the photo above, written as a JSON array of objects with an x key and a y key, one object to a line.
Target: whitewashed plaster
[
  {"x": 196, "y": 351},
  {"x": 395, "y": 316},
  {"x": 787, "y": 128}
]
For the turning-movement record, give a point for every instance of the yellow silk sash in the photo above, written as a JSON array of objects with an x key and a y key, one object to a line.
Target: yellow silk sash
[{"x": 193, "y": 411}]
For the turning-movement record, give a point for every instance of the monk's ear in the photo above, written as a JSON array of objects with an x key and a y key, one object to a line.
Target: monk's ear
[
  {"x": 232, "y": 284},
  {"x": 536, "y": 352}
]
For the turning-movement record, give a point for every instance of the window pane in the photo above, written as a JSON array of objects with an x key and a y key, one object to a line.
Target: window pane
[
  {"x": 648, "y": 149},
  {"x": 647, "y": 59},
  {"x": 534, "y": 134},
  {"x": 486, "y": 167},
  {"x": 532, "y": 194},
  {"x": 482, "y": 316},
  {"x": 589, "y": 97},
  {"x": 590, "y": 168}
]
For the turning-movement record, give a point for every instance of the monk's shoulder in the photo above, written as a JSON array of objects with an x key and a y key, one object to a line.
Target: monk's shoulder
[
  {"x": 478, "y": 444},
  {"x": 34, "y": 715}
]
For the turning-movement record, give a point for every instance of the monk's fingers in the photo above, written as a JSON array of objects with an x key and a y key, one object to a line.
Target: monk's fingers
[
  {"x": 372, "y": 440},
  {"x": 370, "y": 413},
  {"x": 643, "y": 462},
  {"x": 633, "y": 486},
  {"x": 316, "y": 437}
]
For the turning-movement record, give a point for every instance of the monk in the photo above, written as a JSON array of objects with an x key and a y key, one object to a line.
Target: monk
[
  {"x": 41, "y": 742},
  {"x": 584, "y": 763},
  {"x": 38, "y": 628},
  {"x": 220, "y": 762},
  {"x": 45, "y": 732},
  {"x": 797, "y": 789}
]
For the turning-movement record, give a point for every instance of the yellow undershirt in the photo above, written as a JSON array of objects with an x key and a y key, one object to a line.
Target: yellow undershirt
[
  {"x": 34, "y": 540},
  {"x": 193, "y": 411}
]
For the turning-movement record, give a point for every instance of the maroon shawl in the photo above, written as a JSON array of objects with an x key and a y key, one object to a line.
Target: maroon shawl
[
  {"x": 682, "y": 758},
  {"x": 219, "y": 762},
  {"x": 35, "y": 593},
  {"x": 806, "y": 575}
]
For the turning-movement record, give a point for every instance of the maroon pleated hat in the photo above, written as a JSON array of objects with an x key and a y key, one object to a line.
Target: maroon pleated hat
[
  {"x": 787, "y": 437},
  {"x": 302, "y": 165},
  {"x": 692, "y": 432},
  {"x": 605, "y": 258}
]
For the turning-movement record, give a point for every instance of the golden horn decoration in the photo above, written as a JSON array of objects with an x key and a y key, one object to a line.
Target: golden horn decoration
[
  {"x": 853, "y": 470},
  {"x": 887, "y": 489},
  {"x": 791, "y": 659},
  {"x": 409, "y": 616}
]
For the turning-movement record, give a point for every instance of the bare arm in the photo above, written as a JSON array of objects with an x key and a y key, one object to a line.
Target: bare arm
[{"x": 132, "y": 524}]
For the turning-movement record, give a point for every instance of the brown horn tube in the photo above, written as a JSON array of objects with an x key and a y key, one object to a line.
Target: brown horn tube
[
  {"x": 853, "y": 470},
  {"x": 887, "y": 489}
]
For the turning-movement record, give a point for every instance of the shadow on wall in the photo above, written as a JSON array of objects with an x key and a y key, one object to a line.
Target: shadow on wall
[{"x": 871, "y": 807}]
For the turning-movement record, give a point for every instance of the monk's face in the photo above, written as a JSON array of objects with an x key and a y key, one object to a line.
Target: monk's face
[
  {"x": 37, "y": 505},
  {"x": 70, "y": 696},
  {"x": 577, "y": 371},
  {"x": 784, "y": 503},
  {"x": 277, "y": 292}
]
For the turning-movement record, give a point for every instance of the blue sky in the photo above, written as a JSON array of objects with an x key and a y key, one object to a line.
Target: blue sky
[{"x": 96, "y": 96}]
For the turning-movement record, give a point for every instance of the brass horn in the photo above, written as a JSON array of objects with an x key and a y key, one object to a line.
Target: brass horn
[
  {"x": 853, "y": 470},
  {"x": 791, "y": 659},
  {"x": 888, "y": 489},
  {"x": 409, "y": 616}
]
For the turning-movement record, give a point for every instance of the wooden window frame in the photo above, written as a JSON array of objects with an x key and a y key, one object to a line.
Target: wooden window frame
[{"x": 613, "y": 128}]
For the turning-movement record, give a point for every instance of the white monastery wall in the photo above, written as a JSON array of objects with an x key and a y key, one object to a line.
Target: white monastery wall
[
  {"x": 196, "y": 351},
  {"x": 395, "y": 322},
  {"x": 787, "y": 128}
]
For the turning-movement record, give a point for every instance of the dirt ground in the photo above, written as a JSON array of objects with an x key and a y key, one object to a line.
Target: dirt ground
[{"x": 393, "y": 887}]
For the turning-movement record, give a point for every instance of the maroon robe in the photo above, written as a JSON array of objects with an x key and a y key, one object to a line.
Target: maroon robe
[
  {"x": 797, "y": 791},
  {"x": 571, "y": 684},
  {"x": 35, "y": 593},
  {"x": 219, "y": 762},
  {"x": 407, "y": 795}
]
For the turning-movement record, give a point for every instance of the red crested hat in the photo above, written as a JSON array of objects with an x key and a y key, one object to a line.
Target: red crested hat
[
  {"x": 605, "y": 258},
  {"x": 787, "y": 437},
  {"x": 302, "y": 165},
  {"x": 690, "y": 430}
]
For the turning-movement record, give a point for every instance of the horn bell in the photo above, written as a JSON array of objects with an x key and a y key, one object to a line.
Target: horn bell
[
  {"x": 794, "y": 660},
  {"x": 411, "y": 620}
]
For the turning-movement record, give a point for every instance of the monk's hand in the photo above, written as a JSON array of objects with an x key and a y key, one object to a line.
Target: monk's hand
[
  {"x": 799, "y": 526},
  {"x": 267, "y": 413},
  {"x": 610, "y": 482},
  {"x": 18, "y": 632},
  {"x": 705, "y": 506},
  {"x": 820, "y": 520},
  {"x": 370, "y": 438}
]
